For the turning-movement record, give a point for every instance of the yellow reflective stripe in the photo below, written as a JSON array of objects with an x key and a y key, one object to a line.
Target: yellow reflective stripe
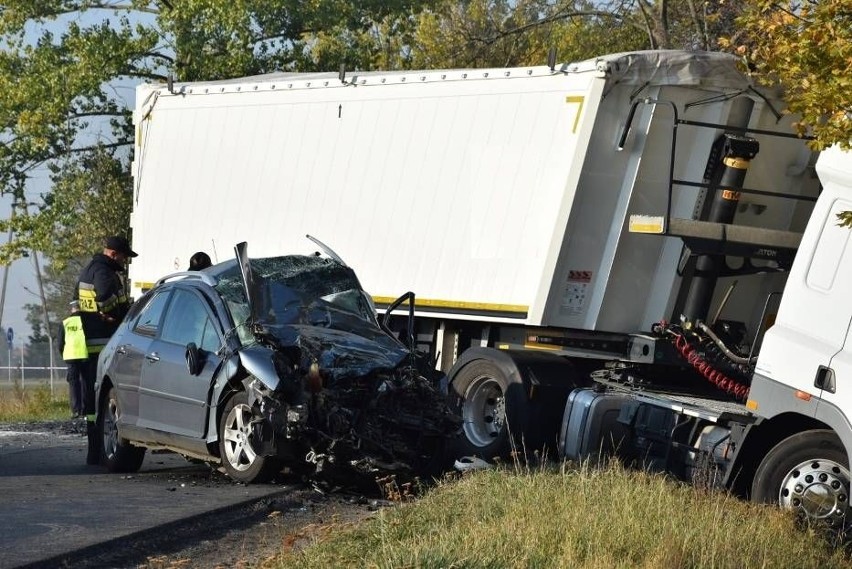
[
  {"x": 459, "y": 305},
  {"x": 108, "y": 304},
  {"x": 95, "y": 345}
]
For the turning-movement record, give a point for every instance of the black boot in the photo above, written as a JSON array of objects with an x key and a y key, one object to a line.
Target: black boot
[{"x": 93, "y": 455}]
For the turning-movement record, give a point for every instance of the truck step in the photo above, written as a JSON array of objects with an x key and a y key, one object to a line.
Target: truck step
[{"x": 706, "y": 237}]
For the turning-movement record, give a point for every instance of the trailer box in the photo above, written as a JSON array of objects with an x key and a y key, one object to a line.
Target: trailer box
[{"x": 498, "y": 195}]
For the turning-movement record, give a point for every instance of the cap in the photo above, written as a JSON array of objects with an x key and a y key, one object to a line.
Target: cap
[{"x": 121, "y": 245}]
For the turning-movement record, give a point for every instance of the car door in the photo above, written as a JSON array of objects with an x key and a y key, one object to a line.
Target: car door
[
  {"x": 125, "y": 369},
  {"x": 172, "y": 399}
]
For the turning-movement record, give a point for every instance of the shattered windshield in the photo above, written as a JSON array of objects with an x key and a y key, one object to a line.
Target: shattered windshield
[{"x": 297, "y": 289}]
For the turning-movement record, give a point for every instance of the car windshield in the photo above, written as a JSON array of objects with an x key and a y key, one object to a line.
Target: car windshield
[{"x": 298, "y": 289}]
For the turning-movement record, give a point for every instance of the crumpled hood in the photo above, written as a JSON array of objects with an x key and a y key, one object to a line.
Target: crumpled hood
[
  {"x": 357, "y": 351},
  {"x": 311, "y": 309}
]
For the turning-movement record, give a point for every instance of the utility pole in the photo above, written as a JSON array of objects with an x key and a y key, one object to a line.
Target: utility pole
[
  {"x": 3, "y": 292},
  {"x": 6, "y": 275},
  {"x": 44, "y": 314},
  {"x": 45, "y": 317}
]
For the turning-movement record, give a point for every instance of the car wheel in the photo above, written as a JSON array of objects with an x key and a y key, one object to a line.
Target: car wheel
[
  {"x": 236, "y": 451},
  {"x": 807, "y": 472},
  {"x": 117, "y": 453}
]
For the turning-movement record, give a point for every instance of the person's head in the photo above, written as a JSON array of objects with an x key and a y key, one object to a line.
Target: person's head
[
  {"x": 74, "y": 306},
  {"x": 200, "y": 261},
  {"x": 118, "y": 249}
]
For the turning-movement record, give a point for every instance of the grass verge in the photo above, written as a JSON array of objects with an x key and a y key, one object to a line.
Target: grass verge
[
  {"x": 28, "y": 404},
  {"x": 582, "y": 518}
]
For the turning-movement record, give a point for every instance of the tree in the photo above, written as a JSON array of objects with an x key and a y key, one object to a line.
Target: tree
[
  {"x": 806, "y": 45},
  {"x": 455, "y": 33},
  {"x": 62, "y": 63},
  {"x": 38, "y": 346},
  {"x": 488, "y": 33}
]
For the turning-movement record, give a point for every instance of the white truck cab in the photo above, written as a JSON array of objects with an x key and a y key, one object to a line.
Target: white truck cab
[
  {"x": 802, "y": 385},
  {"x": 808, "y": 351}
]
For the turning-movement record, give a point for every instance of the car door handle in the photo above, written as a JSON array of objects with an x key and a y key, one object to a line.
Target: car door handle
[
  {"x": 153, "y": 357},
  {"x": 121, "y": 350},
  {"x": 825, "y": 379}
]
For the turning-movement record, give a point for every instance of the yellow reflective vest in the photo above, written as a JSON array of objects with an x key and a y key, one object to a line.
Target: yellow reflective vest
[{"x": 75, "y": 339}]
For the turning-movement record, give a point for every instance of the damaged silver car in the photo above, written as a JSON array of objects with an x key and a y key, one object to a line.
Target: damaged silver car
[{"x": 264, "y": 363}]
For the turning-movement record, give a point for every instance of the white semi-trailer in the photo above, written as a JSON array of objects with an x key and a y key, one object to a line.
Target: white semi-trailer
[{"x": 613, "y": 234}]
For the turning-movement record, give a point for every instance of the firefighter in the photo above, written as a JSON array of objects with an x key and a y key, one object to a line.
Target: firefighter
[
  {"x": 103, "y": 299},
  {"x": 72, "y": 345}
]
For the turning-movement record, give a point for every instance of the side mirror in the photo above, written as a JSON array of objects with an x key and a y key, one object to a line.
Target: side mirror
[{"x": 194, "y": 359}]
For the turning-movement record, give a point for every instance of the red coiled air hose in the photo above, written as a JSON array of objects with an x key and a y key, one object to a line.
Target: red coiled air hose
[{"x": 703, "y": 367}]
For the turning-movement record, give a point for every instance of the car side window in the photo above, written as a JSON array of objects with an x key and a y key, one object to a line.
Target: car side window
[
  {"x": 152, "y": 314},
  {"x": 188, "y": 321}
]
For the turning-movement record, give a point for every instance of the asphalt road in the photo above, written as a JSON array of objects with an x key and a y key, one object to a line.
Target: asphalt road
[{"x": 55, "y": 511}]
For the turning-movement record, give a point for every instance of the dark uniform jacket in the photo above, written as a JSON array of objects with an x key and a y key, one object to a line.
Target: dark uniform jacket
[{"x": 103, "y": 300}]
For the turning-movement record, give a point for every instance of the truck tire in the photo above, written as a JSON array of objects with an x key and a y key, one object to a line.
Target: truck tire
[
  {"x": 493, "y": 408},
  {"x": 238, "y": 457},
  {"x": 807, "y": 472},
  {"x": 117, "y": 454}
]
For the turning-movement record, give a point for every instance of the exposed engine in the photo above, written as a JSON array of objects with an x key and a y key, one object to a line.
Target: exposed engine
[{"x": 358, "y": 427}]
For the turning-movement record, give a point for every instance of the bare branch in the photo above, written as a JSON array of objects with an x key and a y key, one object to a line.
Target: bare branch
[
  {"x": 99, "y": 6},
  {"x": 118, "y": 144},
  {"x": 643, "y": 8},
  {"x": 546, "y": 20},
  {"x": 99, "y": 114},
  {"x": 158, "y": 55}
]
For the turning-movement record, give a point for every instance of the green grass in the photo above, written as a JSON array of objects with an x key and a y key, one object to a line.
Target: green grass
[
  {"x": 29, "y": 404},
  {"x": 581, "y": 518}
]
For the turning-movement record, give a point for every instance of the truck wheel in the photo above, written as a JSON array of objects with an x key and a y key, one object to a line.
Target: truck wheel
[
  {"x": 236, "y": 452},
  {"x": 492, "y": 407},
  {"x": 806, "y": 472},
  {"x": 118, "y": 454}
]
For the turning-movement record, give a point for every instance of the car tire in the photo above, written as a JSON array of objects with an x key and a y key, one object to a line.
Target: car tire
[
  {"x": 117, "y": 454},
  {"x": 807, "y": 472},
  {"x": 236, "y": 453}
]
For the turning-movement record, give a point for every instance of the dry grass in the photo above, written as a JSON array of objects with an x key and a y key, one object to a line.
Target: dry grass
[
  {"x": 24, "y": 405},
  {"x": 570, "y": 517}
]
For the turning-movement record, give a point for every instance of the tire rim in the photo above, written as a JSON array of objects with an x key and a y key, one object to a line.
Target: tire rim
[
  {"x": 484, "y": 411},
  {"x": 238, "y": 450},
  {"x": 111, "y": 427},
  {"x": 818, "y": 488}
]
